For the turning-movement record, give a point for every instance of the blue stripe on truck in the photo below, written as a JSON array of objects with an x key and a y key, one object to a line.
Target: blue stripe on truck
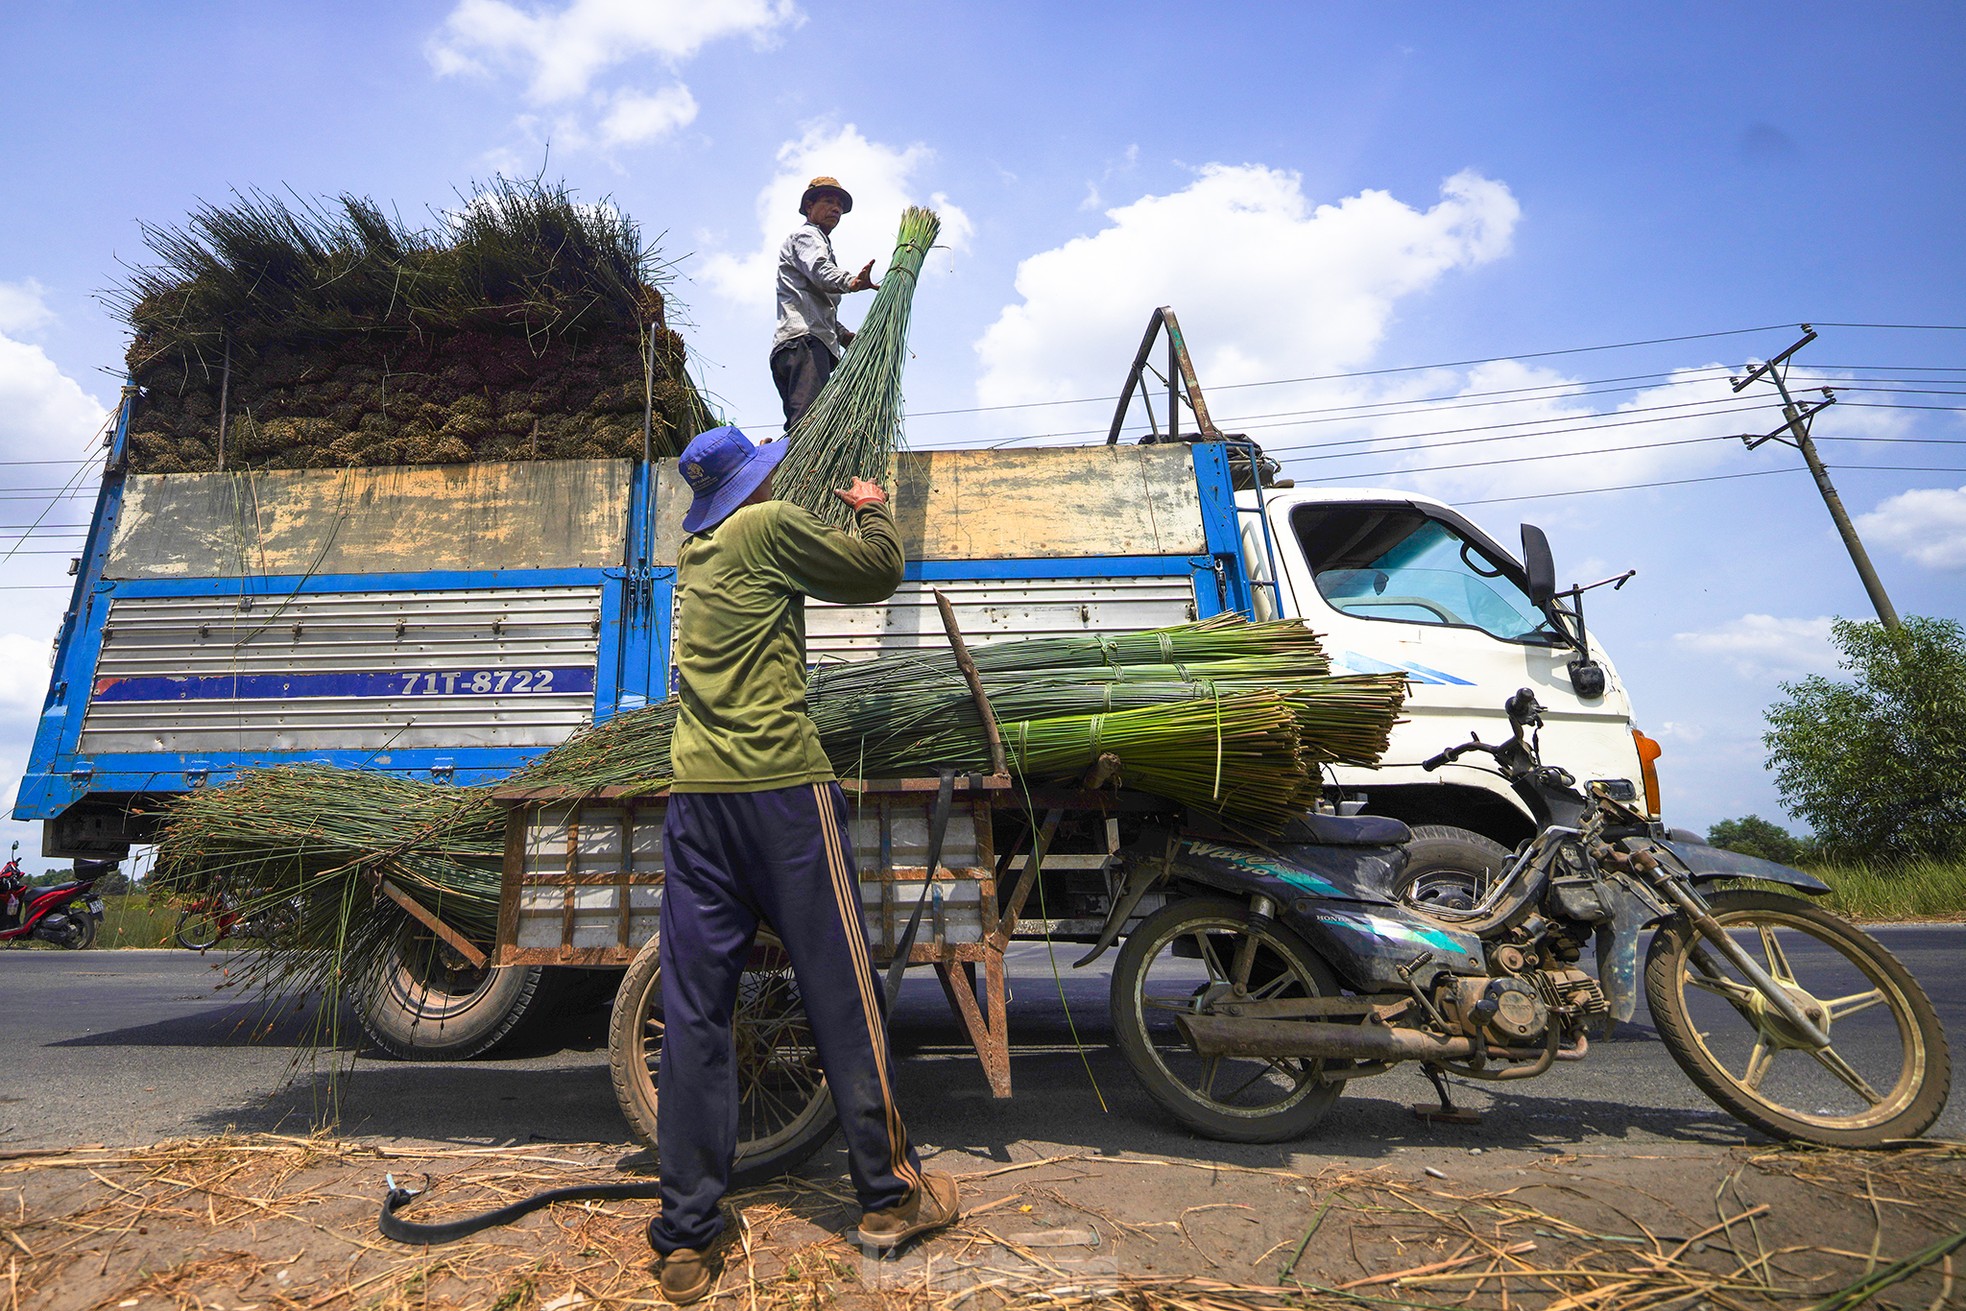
[{"x": 499, "y": 682}]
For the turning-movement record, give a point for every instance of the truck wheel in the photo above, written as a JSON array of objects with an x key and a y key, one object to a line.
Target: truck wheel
[
  {"x": 429, "y": 1004},
  {"x": 1450, "y": 868},
  {"x": 784, "y": 1108}
]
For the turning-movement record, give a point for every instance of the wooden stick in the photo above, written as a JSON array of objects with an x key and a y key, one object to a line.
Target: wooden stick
[
  {"x": 998, "y": 765},
  {"x": 422, "y": 915},
  {"x": 1513, "y": 1249}
]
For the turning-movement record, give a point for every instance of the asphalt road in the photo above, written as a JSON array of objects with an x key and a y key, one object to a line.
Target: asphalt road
[{"x": 135, "y": 1046}]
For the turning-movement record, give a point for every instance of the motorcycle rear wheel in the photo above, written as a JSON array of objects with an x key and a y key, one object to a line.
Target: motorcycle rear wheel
[
  {"x": 197, "y": 930},
  {"x": 785, "y": 1110},
  {"x": 1883, "y": 1078},
  {"x": 1187, "y": 956}
]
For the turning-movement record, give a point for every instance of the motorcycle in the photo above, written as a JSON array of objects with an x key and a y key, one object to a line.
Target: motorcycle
[
  {"x": 210, "y": 920},
  {"x": 1273, "y": 977},
  {"x": 67, "y": 914}
]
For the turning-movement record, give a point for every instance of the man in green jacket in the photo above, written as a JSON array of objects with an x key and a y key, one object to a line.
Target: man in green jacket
[{"x": 756, "y": 830}]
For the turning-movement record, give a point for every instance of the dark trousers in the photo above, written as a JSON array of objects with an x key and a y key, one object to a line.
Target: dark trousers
[
  {"x": 732, "y": 859},
  {"x": 800, "y": 367}
]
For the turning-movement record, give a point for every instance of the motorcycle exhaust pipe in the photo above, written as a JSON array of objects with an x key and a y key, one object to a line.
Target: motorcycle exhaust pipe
[{"x": 1216, "y": 1035}]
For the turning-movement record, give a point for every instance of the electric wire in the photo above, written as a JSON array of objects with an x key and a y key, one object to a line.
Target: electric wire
[
  {"x": 1681, "y": 482},
  {"x": 1374, "y": 373}
]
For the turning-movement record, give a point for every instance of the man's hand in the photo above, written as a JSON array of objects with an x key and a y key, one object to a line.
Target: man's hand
[
  {"x": 864, "y": 280},
  {"x": 846, "y": 336},
  {"x": 861, "y": 493}
]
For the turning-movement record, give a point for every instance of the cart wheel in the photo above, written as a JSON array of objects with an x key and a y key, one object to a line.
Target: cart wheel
[{"x": 784, "y": 1109}]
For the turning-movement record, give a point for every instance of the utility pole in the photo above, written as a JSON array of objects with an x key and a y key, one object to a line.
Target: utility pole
[{"x": 1795, "y": 432}]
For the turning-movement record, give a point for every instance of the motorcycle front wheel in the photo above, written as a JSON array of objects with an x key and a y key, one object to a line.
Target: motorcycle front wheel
[
  {"x": 1885, "y": 1074},
  {"x": 1187, "y": 958}
]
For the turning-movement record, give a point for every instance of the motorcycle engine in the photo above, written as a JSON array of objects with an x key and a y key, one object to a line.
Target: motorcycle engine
[
  {"x": 1575, "y": 991},
  {"x": 1506, "y": 1012}
]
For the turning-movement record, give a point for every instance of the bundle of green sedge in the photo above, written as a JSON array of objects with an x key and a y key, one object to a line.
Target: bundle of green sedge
[
  {"x": 1223, "y": 716},
  {"x": 854, "y": 426}
]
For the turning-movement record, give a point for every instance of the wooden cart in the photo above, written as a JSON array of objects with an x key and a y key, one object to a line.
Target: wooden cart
[{"x": 583, "y": 887}]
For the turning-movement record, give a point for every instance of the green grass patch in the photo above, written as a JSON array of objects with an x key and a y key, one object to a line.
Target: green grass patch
[
  {"x": 132, "y": 921},
  {"x": 1908, "y": 890},
  {"x": 1911, "y": 890}
]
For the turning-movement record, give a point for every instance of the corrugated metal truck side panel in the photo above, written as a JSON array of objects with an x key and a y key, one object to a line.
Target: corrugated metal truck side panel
[{"x": 454, "y": 622}]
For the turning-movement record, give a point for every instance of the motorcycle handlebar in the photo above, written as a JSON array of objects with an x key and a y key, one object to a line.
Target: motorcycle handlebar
[{"x": 1454, "y": 753}]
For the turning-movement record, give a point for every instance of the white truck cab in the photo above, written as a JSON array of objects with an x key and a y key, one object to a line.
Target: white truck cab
[{"x": 1395, "y": 581}]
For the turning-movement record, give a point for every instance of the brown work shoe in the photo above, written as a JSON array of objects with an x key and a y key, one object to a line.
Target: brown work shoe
[
  {"x": 687, "y": 1275},
  {"x": 930, "y": 1206}
]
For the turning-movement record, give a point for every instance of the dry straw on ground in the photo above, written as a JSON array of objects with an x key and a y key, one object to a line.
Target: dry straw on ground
[{"x": 289, "y": 1223}]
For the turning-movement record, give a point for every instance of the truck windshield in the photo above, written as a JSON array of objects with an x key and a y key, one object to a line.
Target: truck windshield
[{"x": 1395, "y": 562}]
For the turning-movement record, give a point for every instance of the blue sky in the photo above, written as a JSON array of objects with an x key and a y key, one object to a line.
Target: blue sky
[{"x": 1319, "y": 189}]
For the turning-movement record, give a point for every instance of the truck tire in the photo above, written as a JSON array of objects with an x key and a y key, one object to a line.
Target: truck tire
[
  {"x": 426, "y": 1004},
  {"x": 1448, "y": 867}
]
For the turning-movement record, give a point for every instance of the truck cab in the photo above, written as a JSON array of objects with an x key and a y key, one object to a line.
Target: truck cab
[{"x": 1398, "y": 582}]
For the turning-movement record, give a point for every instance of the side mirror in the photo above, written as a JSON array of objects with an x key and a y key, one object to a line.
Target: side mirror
[{"x": 1540, "y": 565}]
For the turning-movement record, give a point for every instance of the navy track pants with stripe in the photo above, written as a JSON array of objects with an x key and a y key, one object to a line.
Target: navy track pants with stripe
[{"x": 733, "y": 859}]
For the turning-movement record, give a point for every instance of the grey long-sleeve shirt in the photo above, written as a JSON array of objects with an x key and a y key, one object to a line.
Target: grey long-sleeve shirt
[{"x": 810, "y": 284}]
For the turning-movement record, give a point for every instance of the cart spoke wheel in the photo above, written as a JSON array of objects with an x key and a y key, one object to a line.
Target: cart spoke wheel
[{"x": 784, "y": 1109}]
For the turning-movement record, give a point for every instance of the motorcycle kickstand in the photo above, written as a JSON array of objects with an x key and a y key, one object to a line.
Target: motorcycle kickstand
[{"x": 1447, "y": 1112}]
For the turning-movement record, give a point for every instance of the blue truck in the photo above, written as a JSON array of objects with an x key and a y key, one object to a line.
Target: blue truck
[{"x": 453, "y": 622}]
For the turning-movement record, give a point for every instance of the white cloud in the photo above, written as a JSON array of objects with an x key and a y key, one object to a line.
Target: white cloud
[
  {"x": 562, "y": 50},
  {"x": 634, "y": 118},
  {"x": 1268, "y": 285},
  {"x": 564, "y": 53},
  {"x": 23, "y": 674},
  {"x": 1926, "y": 525},
  {"x": 879, "y": 177},
  {"x": 1761, "y": 647},
  {"x": 44, "y": 414},
  {"x": 23, "y": 307}
]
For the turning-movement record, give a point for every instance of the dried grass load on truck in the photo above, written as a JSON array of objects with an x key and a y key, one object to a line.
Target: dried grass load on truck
[{"x": 521, "y": 325}]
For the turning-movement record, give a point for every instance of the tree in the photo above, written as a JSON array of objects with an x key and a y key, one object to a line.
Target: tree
[
  {"x": 1755, "y": 836},
  {"x": 1877, "y": 764}
]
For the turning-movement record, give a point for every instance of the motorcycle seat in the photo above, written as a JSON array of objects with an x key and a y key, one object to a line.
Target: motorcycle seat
[{"x": 1346, "y": 831}]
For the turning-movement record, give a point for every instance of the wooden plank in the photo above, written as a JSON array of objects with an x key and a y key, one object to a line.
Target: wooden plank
[
  {"x": 520, "y": 514},
  {"x": 1048, "y": 503},
  {"x": 627, "y": 876},
  {"x": 573, "y": 874},
  {"x": 591, "y": 957},
  {"x": 512, "y": 872}
]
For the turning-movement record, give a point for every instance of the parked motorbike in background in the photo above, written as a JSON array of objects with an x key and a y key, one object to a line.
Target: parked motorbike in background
[
  {"x": 67, "y": 914},
  {"x": 209, "y": 921},
  {"x": 1273, "y": 976}
]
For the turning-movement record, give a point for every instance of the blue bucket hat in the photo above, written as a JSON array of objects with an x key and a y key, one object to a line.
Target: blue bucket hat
[{"x": 722, "y": 468}]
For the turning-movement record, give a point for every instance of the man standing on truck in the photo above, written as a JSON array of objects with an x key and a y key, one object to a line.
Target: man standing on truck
[
  {"x": 756, "y": 830},
  {"x": 809, "y": 339}
]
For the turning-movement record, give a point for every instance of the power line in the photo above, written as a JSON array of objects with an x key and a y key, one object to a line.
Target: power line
[
  {"x": 1633, "y": 487},
  {"x": 1909, "y": 327},
  {"x": 1683, "y": 482},
  {"x": 1376, "y": 373}
]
